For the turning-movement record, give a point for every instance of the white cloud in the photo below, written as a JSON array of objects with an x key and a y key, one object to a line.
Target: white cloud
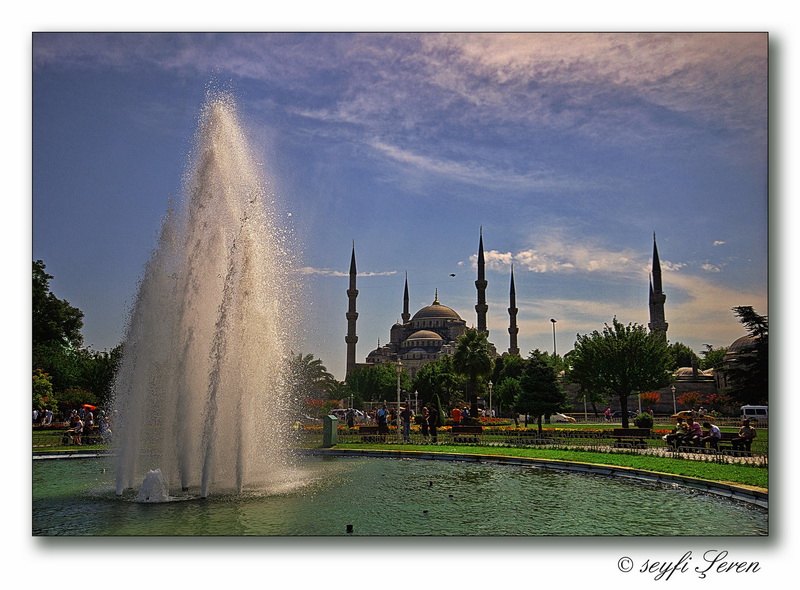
[{"x": 326, "y": 272}]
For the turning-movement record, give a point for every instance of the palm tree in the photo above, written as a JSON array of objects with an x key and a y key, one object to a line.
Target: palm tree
[
  {"x": 473, "y": 359},
  {"x": 309, "y": 375}
]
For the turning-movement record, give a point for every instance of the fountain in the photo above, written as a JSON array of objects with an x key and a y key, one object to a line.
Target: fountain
[{"x": 201, "y": 393}]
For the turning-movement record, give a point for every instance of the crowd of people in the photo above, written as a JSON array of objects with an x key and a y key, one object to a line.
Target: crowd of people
[
  {"x": 691, "y": 434},
  {"x": 82, "y": 424}
]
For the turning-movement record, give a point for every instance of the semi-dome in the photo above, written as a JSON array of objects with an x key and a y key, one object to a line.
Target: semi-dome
[
  {"x": 424, "y": 335},
  {"x": 436, "y": 311}
]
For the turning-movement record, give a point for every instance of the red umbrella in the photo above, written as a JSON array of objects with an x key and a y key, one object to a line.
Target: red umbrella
[{"x": 89, "y": 407}]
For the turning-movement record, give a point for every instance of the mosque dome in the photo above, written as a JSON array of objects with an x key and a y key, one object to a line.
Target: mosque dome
[
  {"x": 743, "y": 344},
  {"x": 436, "y": 311}
]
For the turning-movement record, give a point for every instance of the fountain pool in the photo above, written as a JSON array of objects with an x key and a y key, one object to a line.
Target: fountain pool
[{"x": 386, "y": 497}]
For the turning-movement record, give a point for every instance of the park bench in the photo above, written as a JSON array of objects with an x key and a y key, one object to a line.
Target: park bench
[
  {"x": 725, "y": 445},
  {"x": 466, "y": 434},
  {"x": 371, "y": 434},
  {"x": 630, "y": 437}
]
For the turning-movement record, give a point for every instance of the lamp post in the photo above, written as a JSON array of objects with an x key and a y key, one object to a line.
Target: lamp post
[
  {"x": 674, "y": 406},
  {"x": 416, "y": 402},
  {"x": 399, "y": 368},
  {"x": 554, "y": 336},
  {"x": 490, "y": 398}
]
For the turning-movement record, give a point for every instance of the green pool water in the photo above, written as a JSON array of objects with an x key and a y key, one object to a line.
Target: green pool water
[{"x": 387, "y": 497}]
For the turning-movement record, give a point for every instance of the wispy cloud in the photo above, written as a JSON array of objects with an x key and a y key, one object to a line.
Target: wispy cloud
[
  {"x": 326, "y": 272},
  {"x": 554, "y": 254}
]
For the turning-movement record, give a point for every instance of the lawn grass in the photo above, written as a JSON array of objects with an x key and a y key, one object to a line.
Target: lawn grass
[{"x": 733, "y": 474}]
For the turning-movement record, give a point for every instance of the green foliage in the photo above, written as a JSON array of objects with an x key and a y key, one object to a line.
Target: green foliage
[
  {"x": 681, "y": 355},
  {"x": 43, "y": 398},
  {"x": 57, "y": 349},
  {"x": 377, "y": 382},
  {"x": 540, "y": 393},
  {"x": 619, "y": 361},
  {"x": 54, "y": 320},
  {"x": 643, "y": 420},
  {"x": 473, "y": 359},
  {"x": 712, "y": 357},
  {"x": 75, "y": 397},
  {"x": 308, "y": 376},
  {"x": 507, "y": 366},
  {"x": 439, "y": 377},
  {"x": 506, "y": 392},
  {"x": 748, "y": 376}
]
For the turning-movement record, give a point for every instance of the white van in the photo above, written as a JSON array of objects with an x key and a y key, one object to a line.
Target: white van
[{"x": 756, "y": 413}]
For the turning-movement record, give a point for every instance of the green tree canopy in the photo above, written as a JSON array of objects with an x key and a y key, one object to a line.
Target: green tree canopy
[
  {"x": 748, "y": 374},
  {"x": 439, "y": 377},
  {"x": 712, "y": 357},
  {"x": 473, "y": 359},
  {"x": 620, "y": 361},
  {"x": 540, "y": 392},
  {"x": 682, "y": 355},
  {"x": 54, "y": 319},
  {"x": 377, "y": 382},
  {"x": 309, "y": 377}
]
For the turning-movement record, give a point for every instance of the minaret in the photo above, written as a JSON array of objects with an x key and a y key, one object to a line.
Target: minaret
[
  {"x": 480, "y": 284},
  {"x": 658, "y": 324},
  {"x": 351, "y": 316},
  {"x": 405, "y": 315},
  {"x": 513, "y": 330}
]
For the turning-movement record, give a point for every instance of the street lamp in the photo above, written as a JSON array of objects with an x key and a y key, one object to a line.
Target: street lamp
[
  {"x": 416, "y": 402},
  {"x": 674, "y": 407},
  {"x": 399, "y": 368},
  {"x": 554, "y": 336},
  {"x": 490, "y": 397}
]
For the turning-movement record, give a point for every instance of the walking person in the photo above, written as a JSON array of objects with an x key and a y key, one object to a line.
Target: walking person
[
  {"x": 405, "y": 417},
  {"x": 424, "y": 423},
  {"x": 433, "y": 421}
]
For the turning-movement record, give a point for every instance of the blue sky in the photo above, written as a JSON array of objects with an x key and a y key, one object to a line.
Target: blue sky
[{"x": 570, "y": 150}]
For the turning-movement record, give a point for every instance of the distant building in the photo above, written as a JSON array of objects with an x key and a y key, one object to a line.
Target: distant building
[{"x": 431, "y": 332}]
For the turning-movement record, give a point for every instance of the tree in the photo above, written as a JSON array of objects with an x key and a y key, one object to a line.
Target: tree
[
  {"x": 54, "y": 320},
  {"x": 649, "y": 399},
  {"x": 377, "y": 382},
  {"x": 506, "y": 392},
  {"x": 620, "y": 361},
  {"x": 309, "y": 376},
  {"x": 43, "y": 398},
  {"x": 712, "y": 357},
  {"x": 748, "y": 373},
  {"x": 473, "y": 359},
  {"x": 439, "y": 377},
  {"x": 690, "y": 399},
  {"x": 539, "y": 391},
  {"x": 593, "y": 397},
  {"x": 682, "y": 355}
]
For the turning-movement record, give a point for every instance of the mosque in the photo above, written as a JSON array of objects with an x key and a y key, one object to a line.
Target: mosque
[{"x": 433, "y": 331}]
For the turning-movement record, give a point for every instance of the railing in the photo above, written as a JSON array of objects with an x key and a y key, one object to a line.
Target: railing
[{"x": 599, "y": 441}]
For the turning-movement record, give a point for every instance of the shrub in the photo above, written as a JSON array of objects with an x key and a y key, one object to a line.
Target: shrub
[{"x": 643, "y": 420}]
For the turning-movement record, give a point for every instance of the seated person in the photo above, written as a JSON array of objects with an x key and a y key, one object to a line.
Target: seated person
[
  {"x": 677, "y": 433},
  {"x": 694, "y": 433},
  {"x": 745, "y": 437},
  {"x": 713, "y": 437}
]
